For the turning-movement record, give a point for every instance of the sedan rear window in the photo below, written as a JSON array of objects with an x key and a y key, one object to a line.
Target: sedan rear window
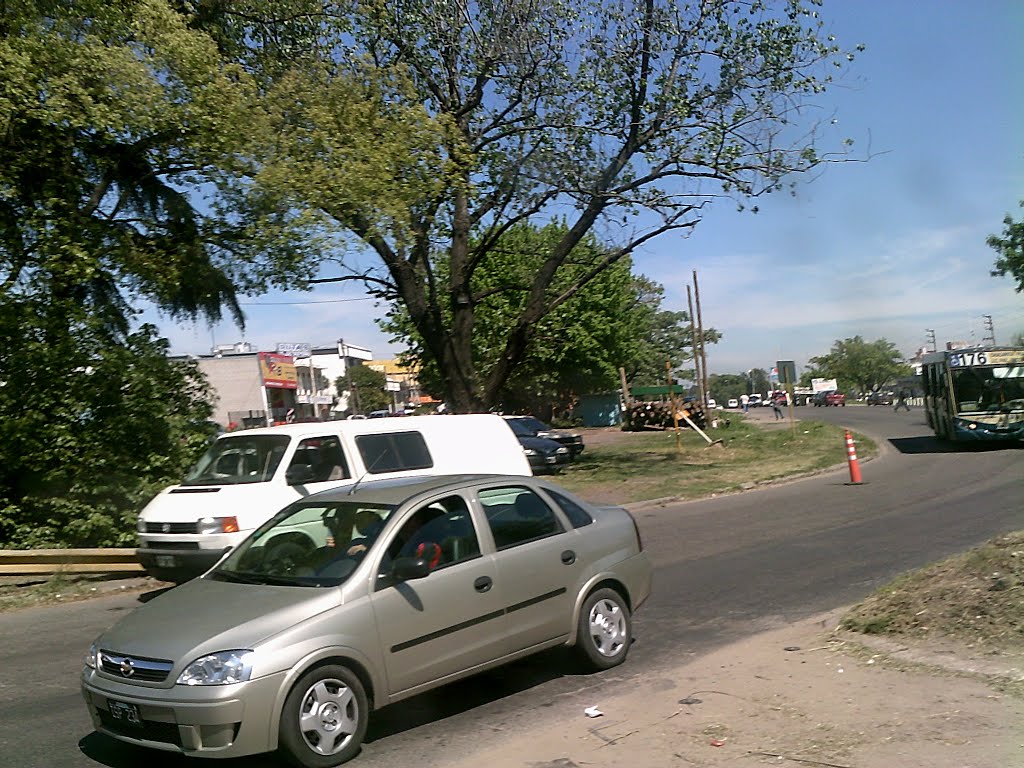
[
  {"x": 577, "y": 515},
  {"x": 517, "y": 515}
]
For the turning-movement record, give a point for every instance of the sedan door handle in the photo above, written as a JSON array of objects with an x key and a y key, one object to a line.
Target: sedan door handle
[
  {"x": 483, "y": 584},
  {"x": 568, "y": 557}
]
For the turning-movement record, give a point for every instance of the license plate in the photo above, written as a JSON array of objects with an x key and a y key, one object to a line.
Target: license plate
[
  {"x": 166, "y": 561},
  {"x": 125, "y": 712}
]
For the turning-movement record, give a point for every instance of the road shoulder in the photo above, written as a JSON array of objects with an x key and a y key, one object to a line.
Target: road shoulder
[{"x": 801, "y": 695}]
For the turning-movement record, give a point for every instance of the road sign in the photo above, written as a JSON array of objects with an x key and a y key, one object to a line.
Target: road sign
[{"x": 787, "y": 371}]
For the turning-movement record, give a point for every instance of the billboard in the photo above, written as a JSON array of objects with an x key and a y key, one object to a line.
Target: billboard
[
  {"x": 278, "y": 371},
  {"x": 823, "y": 385}
]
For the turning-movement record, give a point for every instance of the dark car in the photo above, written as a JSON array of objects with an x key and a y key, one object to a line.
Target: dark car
[
  {"x": 544, "y": 455},
  {"x": 880, "y": 398},
  {"x": 531, "y": 425},
  {"x": 830, "y": 398}
]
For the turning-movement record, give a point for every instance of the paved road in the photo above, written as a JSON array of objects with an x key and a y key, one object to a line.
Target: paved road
[{"x": 725, "y": 568}]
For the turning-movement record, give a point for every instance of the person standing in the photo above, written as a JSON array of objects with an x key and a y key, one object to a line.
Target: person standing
[
  {"x": 777, "y": 407},
  {"x": 901, "y": 400}
]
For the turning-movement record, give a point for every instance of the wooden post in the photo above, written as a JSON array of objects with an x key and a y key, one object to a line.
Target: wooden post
[
  {"x": 703, "y": 351},
  {"x": 626, "y": 397},
  {"x": 696, "y": 354},
  {"x": 675, "y": 411}
]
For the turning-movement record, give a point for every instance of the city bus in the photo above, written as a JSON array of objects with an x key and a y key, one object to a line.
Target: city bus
[{"x": 976, "y": 394}]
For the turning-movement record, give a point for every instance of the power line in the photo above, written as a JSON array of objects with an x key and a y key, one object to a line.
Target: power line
[{"x": 300, "y": 303}]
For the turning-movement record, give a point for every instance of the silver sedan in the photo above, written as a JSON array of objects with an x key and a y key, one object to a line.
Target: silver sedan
[{"x": 354, "y": 599}]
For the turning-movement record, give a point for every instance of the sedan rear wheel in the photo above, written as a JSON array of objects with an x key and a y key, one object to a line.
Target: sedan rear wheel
[
  {"x": 324, "y": 718},
  {"x": 605, "y": 630}
]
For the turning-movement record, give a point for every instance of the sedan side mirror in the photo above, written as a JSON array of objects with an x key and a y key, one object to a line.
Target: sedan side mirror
[{"x": 409, "y": 568}]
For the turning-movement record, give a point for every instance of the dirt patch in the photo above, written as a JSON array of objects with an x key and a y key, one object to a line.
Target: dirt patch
[{"x": 802, "y": 695}]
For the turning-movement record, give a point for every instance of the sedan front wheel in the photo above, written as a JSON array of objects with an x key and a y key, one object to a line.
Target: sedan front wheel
[{"x": 324, "y": 718}]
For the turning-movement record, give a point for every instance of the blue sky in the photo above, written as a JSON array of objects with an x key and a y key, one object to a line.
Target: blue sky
[{"x": 882, "y": 249}]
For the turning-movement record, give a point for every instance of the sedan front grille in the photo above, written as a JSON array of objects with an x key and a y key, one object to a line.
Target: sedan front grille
[{"x": 135, "y": 667}]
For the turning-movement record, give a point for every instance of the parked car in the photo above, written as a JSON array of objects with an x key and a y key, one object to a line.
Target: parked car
[
  {"x": 246, "y": 477},
  {"x": 754, "y": 401},
  {"x": 712, "y": 404},
  {"x": 571, "y": 440},
  {"x": 357, "y": 598},
  {"x": 880, "y": 398},
  {"x": 829, "y": 399},
  {"x": 543, "y": 454},
  {"x": 733, "y": 403}
]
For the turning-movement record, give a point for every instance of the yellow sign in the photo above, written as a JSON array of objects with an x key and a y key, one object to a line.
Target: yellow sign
[{"x": 278, "y": 371}]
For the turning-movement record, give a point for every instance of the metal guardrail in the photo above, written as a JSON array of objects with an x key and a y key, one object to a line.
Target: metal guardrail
[{"x": 33, "y": 562}]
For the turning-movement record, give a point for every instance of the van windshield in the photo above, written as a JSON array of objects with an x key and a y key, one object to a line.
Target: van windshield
[{"x": 239, "y": 459}]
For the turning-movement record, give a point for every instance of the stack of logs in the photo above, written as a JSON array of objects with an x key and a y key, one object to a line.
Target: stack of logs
[{"x": 658, "y": 415}]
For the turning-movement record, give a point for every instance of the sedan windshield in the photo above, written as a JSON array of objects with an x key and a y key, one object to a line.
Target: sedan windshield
[
  {"x": 311, "y": 545},
  {"x": 239, "y": 459}
]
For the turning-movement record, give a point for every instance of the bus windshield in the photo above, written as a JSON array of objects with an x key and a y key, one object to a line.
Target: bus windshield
[{"x": 996, "y": 389}]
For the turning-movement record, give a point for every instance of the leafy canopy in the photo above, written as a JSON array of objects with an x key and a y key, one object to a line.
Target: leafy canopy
[
  {"x": 624, "y": 119},
  {"x": 863, "y": 365},
  {"x": 1010, "y": 247}
]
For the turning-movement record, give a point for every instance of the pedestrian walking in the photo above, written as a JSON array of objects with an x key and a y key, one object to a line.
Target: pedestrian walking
[
  {"x": 901, "y": 400},
  {"x": 777, "y": 407}
]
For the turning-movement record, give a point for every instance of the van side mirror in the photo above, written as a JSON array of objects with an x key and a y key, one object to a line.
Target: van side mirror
[{"x": 298, "y": 474}]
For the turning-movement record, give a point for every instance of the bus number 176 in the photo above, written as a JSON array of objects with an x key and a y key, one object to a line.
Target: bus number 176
[{"x": 967, "y": 359}]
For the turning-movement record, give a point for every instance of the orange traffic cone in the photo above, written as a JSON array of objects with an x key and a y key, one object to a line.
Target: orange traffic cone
[{"x": 851, "y": 453}]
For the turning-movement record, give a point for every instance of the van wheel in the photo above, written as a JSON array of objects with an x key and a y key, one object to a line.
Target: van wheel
[
  {"x": 605, "y": 630},
  {"x": 324, "y": 718}
]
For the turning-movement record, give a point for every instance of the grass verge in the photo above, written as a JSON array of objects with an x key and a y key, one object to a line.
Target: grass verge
[
  {"x": 640, "y": 466},
  {"x": 975, "y": 598}
]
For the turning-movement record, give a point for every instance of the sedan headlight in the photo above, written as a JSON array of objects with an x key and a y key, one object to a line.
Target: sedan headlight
[
  {"x": 90, "y": 659},
  {"x": 529, "y": 451},
  {"x": 222, "y": 668},
  {"x": 217, "y": 525},
  {"x": 140, "y": 525}
]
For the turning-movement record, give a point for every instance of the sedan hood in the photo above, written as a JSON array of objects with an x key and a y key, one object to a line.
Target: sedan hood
[{"x": 204, "y": 616}]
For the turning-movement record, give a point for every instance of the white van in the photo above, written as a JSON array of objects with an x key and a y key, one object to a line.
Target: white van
[{"x": 246, "y": 477}]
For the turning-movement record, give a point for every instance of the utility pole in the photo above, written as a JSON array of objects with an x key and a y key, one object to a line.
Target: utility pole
[
  {"x": 931, "y": 337},
  {"x": 991, "y": 335},
  {"x": 703, "y": 351},
  {"x": 696, "y": 351}
]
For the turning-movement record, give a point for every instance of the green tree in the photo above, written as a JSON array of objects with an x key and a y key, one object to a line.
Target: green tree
[
  {"x": 862, "y": 366},
  {"x": 1010, "y": 247},
  {"x": 116, "y": 119},
  {"x": 625, "y": 117},
  {"x": 367, "y": 389},
  {"x": 726, "y": 386},
  {"x": 91, "y": 430},
  {"x": 614, "y": 321},
  {"x": 759, "y": 381},
  {"x": 663, "y": 336}
]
